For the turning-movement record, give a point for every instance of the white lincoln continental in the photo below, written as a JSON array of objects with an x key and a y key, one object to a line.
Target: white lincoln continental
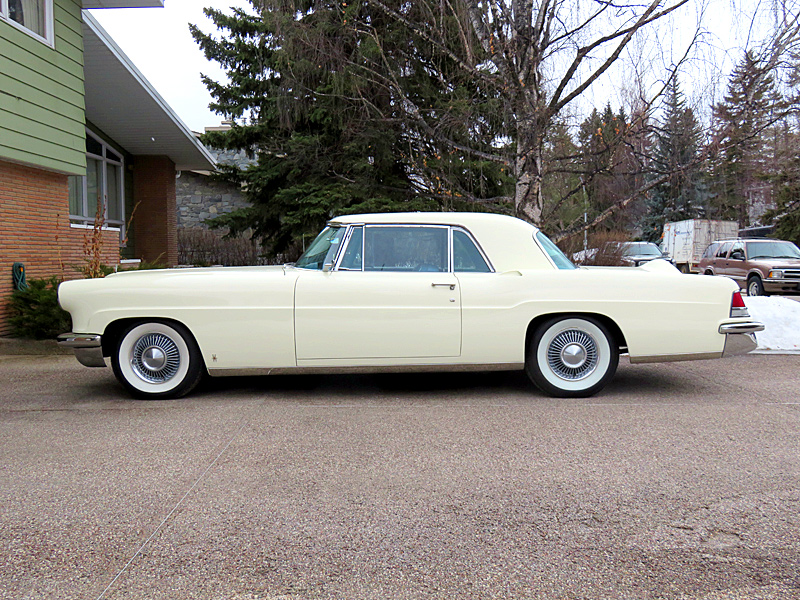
[{"x": 404, "y": 292}]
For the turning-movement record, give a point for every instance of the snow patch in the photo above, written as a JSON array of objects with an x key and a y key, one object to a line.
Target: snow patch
[{"x": 781, "y": 319}]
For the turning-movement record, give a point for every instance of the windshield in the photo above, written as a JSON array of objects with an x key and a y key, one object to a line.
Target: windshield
[
  {"x": 322, "y": 250},
  {"x": 555, "y": 253},
  {"x": 642, "y": 249},
  {"x": 777, "y": 249}
]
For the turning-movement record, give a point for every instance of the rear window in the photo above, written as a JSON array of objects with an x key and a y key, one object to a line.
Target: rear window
[{"x": 554, "y": 252}]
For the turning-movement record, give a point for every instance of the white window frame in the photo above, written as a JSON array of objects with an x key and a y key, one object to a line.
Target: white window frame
[
  {"x": 49, "y": 23},
  {"x": 88, "y": 219}
]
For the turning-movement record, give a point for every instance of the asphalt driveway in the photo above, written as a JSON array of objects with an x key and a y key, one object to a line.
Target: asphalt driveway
[{"x": 678, "y": 481}]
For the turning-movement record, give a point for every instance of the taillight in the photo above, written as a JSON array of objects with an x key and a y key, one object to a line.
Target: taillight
[{"x": 738, "y": 307}]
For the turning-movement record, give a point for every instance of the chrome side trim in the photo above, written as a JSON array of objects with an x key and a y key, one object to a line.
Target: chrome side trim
[
  {"x": 367, "y": 369},
  {"x": 80, "y": 340},
  {"x": 736, "y": 328},
  {"x": 654, "y": 358}
]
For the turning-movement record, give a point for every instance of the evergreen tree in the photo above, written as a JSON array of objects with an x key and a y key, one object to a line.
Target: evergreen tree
[
  {"x": 786, "y": 214},
  {"x": 751, "y": 105},
  {"x": 676, "y": 145},
  {"x": 308, "y": 95},
  {"x": 608, "y": 163}
]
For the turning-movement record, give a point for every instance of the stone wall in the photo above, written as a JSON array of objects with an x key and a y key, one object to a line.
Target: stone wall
[{"x": 200, "y": 196}]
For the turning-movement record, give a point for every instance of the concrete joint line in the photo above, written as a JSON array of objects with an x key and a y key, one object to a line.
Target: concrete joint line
[{"x": 174, "y": 508}]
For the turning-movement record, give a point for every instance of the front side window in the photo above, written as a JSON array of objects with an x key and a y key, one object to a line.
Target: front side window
[
  {"x": 322, "y": 250},
  {"x": 98, "y": 194},
  {"x": 352, "y": 260},
  {"x": 34, "y": 16},
  {"x": 409, "y": 248},
  {"x": 554, "y": 252}
]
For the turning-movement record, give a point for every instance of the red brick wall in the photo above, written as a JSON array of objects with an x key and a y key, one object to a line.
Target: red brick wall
[
  {"x": 155, "y": 221},
  {"x": 35, "y": 230}
]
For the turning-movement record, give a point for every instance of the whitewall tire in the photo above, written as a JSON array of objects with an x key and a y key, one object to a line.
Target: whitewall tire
[
  {"x": 571, "y": 357},
  {"x": 157, "y": 360}
]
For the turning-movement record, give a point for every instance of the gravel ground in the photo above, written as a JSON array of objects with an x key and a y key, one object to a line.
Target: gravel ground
[{"x": 680, "y": 481}]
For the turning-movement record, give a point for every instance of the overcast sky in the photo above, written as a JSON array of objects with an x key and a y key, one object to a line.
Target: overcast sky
[{"x": 158, "y": 42}]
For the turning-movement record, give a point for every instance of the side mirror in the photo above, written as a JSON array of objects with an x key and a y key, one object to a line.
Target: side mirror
[
  {"x": 327, "y": 267},
  {"x": 737, "y": 255}
]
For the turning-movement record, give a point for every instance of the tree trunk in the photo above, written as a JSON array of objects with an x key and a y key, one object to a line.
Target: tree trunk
[{"x": 528, "y": 194}]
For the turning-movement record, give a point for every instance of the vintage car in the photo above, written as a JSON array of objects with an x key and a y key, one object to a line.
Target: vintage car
[
  {"x": 404, "y": 292},
  {"x": 762, "y": 266}
]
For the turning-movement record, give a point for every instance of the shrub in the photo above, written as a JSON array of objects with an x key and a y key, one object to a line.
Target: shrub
[
  {"x": 35, "y": 312},
  {"x": 201, "y": 247}
]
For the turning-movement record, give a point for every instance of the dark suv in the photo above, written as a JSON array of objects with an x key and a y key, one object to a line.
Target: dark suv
[{"x": 762, "y": 266}]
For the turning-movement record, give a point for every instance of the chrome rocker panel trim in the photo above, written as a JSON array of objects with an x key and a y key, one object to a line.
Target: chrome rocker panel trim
[{"x": 367, "y": 369}]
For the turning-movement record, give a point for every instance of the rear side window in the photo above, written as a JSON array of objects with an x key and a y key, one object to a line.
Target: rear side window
[
  {"x": 710, "y": 251},
  {"x": 556, "y": 255},
  {"x": 466, "y": 256},
  {"x": 722, "y": 252}
]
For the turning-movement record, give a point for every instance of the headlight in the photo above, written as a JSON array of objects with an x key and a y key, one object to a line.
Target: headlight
[{"x": 776, "y": 274}]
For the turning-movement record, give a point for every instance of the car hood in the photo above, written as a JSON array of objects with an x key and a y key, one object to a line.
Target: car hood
[
  {"x": 193, "y": 271},
  {"x": 777, "y": 263},
  {"x": 640, "y": 257}
]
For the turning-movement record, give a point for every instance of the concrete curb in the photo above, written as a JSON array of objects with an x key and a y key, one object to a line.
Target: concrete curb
[{"x": 21, "y": 347}]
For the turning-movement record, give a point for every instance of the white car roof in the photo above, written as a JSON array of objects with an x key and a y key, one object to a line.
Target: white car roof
[{"x": 507, "y": 241}]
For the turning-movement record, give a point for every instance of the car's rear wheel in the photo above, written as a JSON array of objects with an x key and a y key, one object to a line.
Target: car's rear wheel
[
  {"x": 571, "y": 357},
  {"x": 157, "y": 360},
  {"x": 708, "y": 272},
  {"x": 755, "y": 287}
]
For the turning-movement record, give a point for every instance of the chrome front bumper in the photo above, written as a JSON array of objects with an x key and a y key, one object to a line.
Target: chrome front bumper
[
  {"x": 88, "y": 348},
  {"x": 740, "y": 338}
]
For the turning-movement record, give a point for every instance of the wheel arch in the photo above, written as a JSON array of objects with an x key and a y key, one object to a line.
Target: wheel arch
[
  {"x": 115, "y": 329},
  {"x": 608, "y": 322}
]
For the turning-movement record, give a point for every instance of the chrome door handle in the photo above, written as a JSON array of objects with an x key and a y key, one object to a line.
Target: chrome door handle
[{"x": 452, "y": 286}]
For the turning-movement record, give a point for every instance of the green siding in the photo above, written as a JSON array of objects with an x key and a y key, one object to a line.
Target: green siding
[{"x": 42, "y": 107}]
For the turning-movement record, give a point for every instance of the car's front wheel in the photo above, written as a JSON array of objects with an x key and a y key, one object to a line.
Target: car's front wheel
[
  {"x": 571, "y": 357},
  {"x": 157, "y": 360},
  {"x": 755, "y": 287}
]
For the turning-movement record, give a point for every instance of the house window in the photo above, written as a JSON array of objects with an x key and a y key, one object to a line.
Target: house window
[
  {"x": 34, "y": 17},
  {"x": 100, "y": 193}
]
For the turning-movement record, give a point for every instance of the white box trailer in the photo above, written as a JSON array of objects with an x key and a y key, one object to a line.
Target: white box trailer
[{"x": 685, "y": 241}]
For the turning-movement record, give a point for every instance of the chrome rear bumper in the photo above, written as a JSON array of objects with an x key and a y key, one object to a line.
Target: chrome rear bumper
[
  {"x": 740, "y": 338},
  {"x": 88, "y": 347}
]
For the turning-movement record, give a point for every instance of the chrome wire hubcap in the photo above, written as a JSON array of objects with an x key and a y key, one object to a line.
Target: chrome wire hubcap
[
  {"x": 572, "y": 355},
  {"x": 155, "y": 358}
]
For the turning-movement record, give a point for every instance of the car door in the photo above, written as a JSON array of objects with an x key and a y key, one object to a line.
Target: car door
[
  {"x": 721, "y": 259},
  {"x": 392, "y": 295},
  {"x": 736, "y": 266}
]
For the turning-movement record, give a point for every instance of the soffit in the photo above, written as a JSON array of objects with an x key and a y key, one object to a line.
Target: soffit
[
  {"x": 126, "y": 107},
  {"x": 122, "y": 3}
]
